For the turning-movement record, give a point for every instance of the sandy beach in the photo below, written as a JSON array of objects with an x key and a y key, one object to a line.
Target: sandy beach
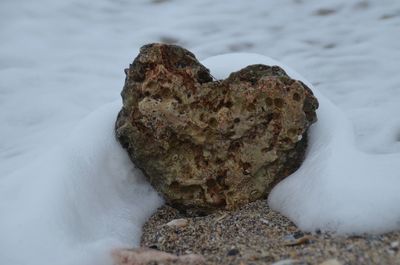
[{"x": 255, "y": 234}]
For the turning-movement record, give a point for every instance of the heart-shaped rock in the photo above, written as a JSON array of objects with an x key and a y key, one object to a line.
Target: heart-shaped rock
[{"x": 207, "y": 144}]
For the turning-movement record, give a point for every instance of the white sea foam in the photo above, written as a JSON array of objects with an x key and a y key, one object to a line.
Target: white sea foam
[
  {"x": 338, "y": 188},
  {"x": 77, "y": 202}
]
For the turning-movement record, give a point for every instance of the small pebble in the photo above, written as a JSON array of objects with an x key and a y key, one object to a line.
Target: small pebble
[
  {"x": 294, "y": 241},
  {"x": 394, "y": 245},
  {"x": 178, "y": 223},
  {"x": 145, "y": 256},
  {"x": 287, "y": 262},
  {"x": 331, "y": 262},
  {"x": 233, "y": 252},
  {"x": 221, "y": 217}
]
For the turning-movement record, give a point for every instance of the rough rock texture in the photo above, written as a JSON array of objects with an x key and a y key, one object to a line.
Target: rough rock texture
[{"x": 208, "y": 144}]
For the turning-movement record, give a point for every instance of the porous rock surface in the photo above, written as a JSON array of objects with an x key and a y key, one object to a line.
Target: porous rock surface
[{"x": 205, "y": 144}]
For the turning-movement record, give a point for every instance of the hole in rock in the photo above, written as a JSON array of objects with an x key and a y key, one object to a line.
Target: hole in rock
[
  {"x": 278, "y": 102},
  {"x": 229, "y": 104},
  {"x": 221, "y": 179},
  {"x": 178, "y": 99},
  {"x": 213, "y": 122},
  {"x": 218, "y": 161},
  {"x": 246, "y": 168},
  {"x": 296, "y": 97},
  {"x": 251, "y": 107},
  {"x": 211, "y": 183},
  {"x": 234, "y": 146},
  {"x": 269, "y": 101}
]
